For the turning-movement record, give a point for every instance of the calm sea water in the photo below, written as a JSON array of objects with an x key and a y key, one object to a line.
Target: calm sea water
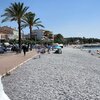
[{"x": 91, "y": 48}]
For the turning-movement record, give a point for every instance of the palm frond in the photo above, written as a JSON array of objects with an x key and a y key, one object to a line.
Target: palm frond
[
  {"x": 36, "y": 20},
  {"x": 14, "y": 12},
  {"x": 24, "y": 26},
  {"x": 4, "y": 20},
  {"x": 40, "y": 25}
]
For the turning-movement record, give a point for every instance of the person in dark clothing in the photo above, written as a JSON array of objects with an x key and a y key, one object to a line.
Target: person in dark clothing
[
  {"x": 58, "y": 51},
  {"x": 24, "y": 49},
  {"x": 48, "y": 50}
]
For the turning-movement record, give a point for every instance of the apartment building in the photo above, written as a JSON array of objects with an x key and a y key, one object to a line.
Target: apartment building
[{"x": 7, "y": 33}]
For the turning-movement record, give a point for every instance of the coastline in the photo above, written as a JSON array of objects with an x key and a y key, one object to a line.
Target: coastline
[{"x": 92, "y": 49}]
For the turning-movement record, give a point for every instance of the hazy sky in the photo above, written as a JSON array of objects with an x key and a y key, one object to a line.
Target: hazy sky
[{"x": 78, "y": 18}]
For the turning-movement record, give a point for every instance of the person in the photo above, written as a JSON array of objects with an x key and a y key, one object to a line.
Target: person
[
  {"x": 98, "y": 52},
  {"x": 39, "y": 51},
  {"x": 58, "y": 51},
  {"x": 89, "y": 51},
  {"x": 48, "y": 50},
  {"x": 24, "y": 49}
]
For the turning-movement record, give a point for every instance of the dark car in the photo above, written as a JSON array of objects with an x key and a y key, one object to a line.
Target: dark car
[
  {"x": 4, "y": 48},
  {"x": 1, "y": 50}
]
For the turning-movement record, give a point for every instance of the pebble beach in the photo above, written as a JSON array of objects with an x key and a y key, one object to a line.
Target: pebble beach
[{"x": 72, "y": 75}]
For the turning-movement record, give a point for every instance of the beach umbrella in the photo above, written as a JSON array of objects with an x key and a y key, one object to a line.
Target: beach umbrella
[{"x": 57, "y": 47}]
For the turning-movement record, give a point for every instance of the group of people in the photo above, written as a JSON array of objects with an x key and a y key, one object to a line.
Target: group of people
[
  {"x": 41, "y": 49},
  {"x": 96, "y": 52}
]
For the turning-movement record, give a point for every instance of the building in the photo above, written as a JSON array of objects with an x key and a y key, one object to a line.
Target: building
[
  {"x": 7, "y": 33},
  {"x": 42, "y": 34},
  {"x": 38, "y": 34},
  {"x": 14, "y": 35}
]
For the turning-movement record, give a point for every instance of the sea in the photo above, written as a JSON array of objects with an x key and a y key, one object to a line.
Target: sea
[{"x": 91, "y": 48}]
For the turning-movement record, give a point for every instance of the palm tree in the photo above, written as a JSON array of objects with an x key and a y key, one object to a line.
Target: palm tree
[
  {"x": 15, "y": 12},
  {"x": 58, "y": 38},
  {"x": 30, "y": 20}
]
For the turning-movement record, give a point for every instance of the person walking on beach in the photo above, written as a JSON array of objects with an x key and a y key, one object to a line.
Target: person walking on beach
[
  {"x": 98, "y": 52},
  {"x": 24, "y": 49},
  {"x": 48, "y": 50},
  {"x": 39, "y": 51}
]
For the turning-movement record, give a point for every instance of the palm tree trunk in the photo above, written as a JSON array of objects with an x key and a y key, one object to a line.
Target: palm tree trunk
[
  {"x": 30, "y": 32},
  {"x": 19, "y": 29},
  {"x": 30, "y": 36}
]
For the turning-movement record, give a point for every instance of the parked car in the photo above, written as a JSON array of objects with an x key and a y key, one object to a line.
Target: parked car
[
  {"x": 9, "y": 48},
  {"x": 1, "y": 50},
  {"x": 3, "y": 47},
  {"x": 15, "y": 48}
]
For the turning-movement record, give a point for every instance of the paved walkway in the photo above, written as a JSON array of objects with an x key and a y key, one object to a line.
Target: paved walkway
[{"x": 12, "y": 60}]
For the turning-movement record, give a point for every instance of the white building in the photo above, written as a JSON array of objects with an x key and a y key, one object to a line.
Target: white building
[
  {"x": 38, "y": 34},
  {"x": 14, "y": 35}
]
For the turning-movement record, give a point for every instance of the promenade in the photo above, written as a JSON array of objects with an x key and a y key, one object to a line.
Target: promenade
[
  {"x": 9, "y": 61},
  {"x": 72, "y": 75}
]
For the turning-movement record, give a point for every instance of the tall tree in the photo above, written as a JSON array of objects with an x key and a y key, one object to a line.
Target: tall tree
[
  {"x": 48, "y": 34},
  {"x": 58, "y": 38},
  {"x": 15, "y": 12},
  {"x": 30, "y": 20}
]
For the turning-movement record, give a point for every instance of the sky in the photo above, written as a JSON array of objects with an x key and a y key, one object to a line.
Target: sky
[{"x": 71, "y": 18}]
